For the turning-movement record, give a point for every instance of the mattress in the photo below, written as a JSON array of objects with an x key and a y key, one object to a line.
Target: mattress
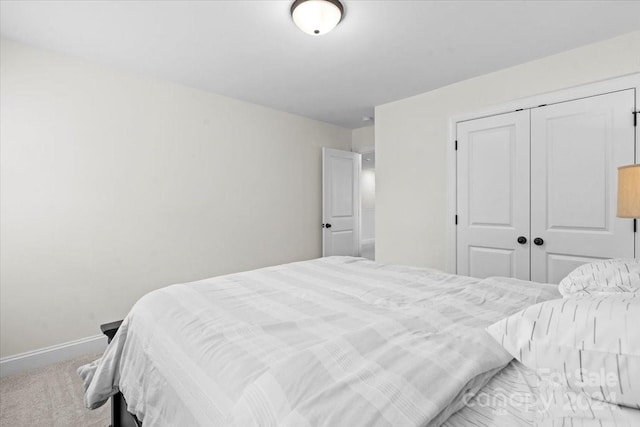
[{"x": 337, "y": 341}]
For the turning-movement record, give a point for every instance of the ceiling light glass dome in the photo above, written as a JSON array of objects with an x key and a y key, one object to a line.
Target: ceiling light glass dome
[{"x": 316, "y": 17}]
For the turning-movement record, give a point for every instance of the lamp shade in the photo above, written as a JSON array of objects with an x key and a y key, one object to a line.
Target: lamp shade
[
  {"x": 316, "y": 17},
  {"x": 629, "y": 191}
]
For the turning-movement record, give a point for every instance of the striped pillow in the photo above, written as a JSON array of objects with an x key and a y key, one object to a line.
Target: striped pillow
[
  {"x": 603, "y": 277},
  {"x": 589, "y": 344}
]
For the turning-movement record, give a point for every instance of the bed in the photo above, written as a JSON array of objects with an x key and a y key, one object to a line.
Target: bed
[{"x": 336, "y": 341}]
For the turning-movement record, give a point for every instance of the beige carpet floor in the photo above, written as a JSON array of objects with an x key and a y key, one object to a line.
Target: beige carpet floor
[{"x": 49, "y": 396}]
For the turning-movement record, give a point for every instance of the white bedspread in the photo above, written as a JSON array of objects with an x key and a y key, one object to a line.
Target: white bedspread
[
  {"x": 519, "y": 397},
  {"x": 330, "y": 342}
]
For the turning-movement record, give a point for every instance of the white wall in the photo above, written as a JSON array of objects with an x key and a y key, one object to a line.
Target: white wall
[
  {"x": 362, "y": 138},
  {"x": 113, "y": 185},
  {"x": 368, "y": 203},
  {"x": 412, "y": 139}
]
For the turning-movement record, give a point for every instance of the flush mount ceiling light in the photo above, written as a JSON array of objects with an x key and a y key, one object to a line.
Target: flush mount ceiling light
[{"x": 316, "y": 17}]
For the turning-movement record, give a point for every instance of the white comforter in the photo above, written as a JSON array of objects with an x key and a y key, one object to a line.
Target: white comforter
[{"x": 330, "y": 342}]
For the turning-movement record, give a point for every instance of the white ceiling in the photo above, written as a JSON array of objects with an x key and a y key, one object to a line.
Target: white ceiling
[{"x": 251, "y": 50}]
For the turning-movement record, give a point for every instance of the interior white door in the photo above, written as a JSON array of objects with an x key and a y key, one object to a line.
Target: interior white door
[
  {"x": 576, "y": 147},
  {"x": 493, "y": 196},
  {"x": 340, "y": 202}
]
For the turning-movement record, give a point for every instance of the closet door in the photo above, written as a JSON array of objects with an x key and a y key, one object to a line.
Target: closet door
[
  {"x": 576, "y": 147},
  {"x": 493, "y": 196}
]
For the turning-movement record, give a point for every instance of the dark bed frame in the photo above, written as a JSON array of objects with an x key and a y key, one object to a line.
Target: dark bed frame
[{"x": 120, "y": 417}]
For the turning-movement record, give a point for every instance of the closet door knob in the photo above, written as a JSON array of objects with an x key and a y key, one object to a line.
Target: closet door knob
[
  {"x": 538, "y": 241},
  {"x": 522, "y": 240}
]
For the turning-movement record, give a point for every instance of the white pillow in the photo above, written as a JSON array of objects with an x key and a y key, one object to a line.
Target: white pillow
[
  {"x": 603, "y": 277},
  {"x": 589, "y": 344}
]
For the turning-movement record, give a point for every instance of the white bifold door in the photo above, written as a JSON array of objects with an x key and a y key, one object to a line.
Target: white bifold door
[
  {"x": 536, "y": 189},
  {"x": 576, "y": 149},
  {"x": 493, "y": 196},
  {"x": 340, "y": 202}
]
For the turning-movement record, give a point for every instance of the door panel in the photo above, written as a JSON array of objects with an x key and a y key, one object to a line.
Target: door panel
[
  {"x": 486, "y": 262},
  {"x": 342, "y": 170},
  {"x": 576, "y": 148},
  {"x": 493, "y": 196},
  {"x": 340, "y": 202},
  {"x": 576, "y": 168},
  {"x": 559, "y": 265},
  {"x": 491, "y": 158},
  {"x": 342, "y": 243}
]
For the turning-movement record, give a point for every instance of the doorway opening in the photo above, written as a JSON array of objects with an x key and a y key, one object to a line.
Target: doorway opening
[{"x": 368, "y": 205}]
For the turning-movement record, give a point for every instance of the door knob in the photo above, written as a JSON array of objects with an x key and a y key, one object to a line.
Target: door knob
[
  {"x": 538, "y": 241},
  {"x": 522, "y": 240},
  {"x": 326, "y": 225}
]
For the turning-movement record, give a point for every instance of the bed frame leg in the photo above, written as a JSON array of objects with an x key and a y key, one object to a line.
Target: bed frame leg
[
  {"x": 115, "y": 409},
  {"x": 119, "y": 415}
]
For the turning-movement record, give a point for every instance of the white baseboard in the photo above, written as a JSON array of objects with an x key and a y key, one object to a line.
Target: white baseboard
[{"x": 46, "y": 356}]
